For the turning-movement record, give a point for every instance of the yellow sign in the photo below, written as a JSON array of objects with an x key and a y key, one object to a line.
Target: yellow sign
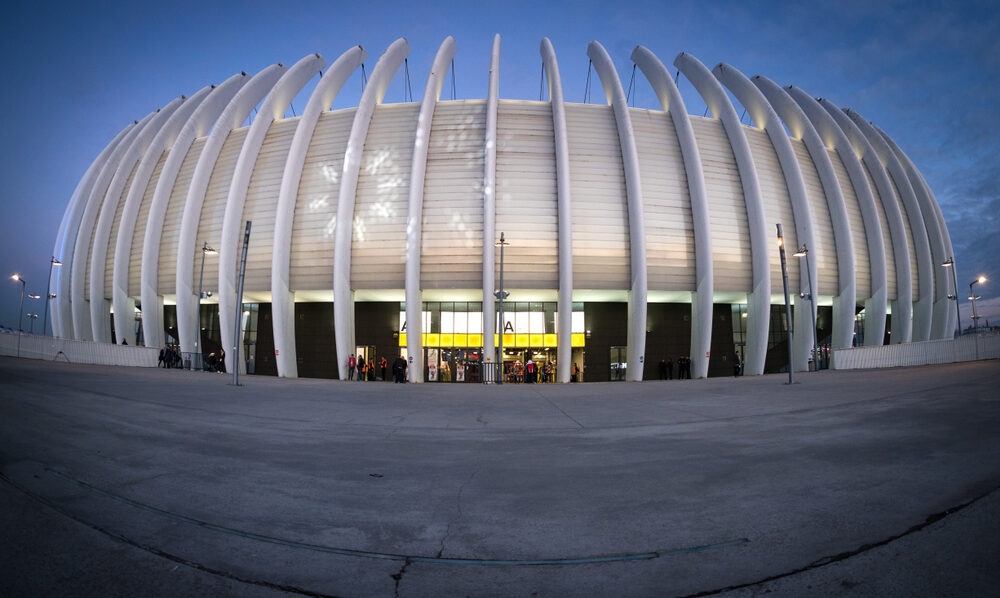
[{"x": 577, "y": 339}]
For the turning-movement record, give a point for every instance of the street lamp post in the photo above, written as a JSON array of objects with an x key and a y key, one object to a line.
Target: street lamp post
[
  {"x": 501, "y": 295},
  {"x": 32, "y": 318},
  {"x": 804, "y": 252},
  {"x": 20, "y": 309},
  {"x": 975, "y": 313},
  {"x": 788, "y": 302},
  {"x": 196, "y": 358},
  {"x": 950, "y": 263},
  {"x": 49, "y": 295}
]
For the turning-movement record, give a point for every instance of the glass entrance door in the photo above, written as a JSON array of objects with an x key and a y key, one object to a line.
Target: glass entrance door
[
  {"x": 619, "y": 362},
  {"x": 368, "y": 354}
]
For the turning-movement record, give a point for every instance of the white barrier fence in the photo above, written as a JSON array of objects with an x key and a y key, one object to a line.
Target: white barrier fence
[
  {"x": 49, "y": 348},
  {"x": 966, "y": 348}
]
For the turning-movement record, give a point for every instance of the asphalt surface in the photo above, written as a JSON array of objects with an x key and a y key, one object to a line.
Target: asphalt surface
[{"x": 146, "y": 482}]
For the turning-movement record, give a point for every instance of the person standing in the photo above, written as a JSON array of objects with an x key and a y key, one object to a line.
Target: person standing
[
  {"x": 222, "y": 360},
  {"x": 399, "y": 370},
  {"x": 162, "y": 361},
  {"x": 382, "y": 364},
  {"x": 663, "y": 369},
  {"x": 351, "y": 364},
  {"x": 361, "y": 368}
]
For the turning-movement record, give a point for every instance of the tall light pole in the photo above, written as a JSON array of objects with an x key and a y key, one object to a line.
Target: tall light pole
[
  {"x": 804, "y": 252},
  {"x": 20, "y": 309},
  {"x": 501, "y": 295},
  {"x": 49, "y": 295},
  {"x": 32, "y": 318},
  {"x": 196, "y": 358},
  {"x": 950, "y": 263},
  {"x": 788, "y": 302},
  {"x": 975, "y": 314}
]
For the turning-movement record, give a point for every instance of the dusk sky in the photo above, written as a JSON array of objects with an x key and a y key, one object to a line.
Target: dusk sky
[{"x": 928, "y": 73}]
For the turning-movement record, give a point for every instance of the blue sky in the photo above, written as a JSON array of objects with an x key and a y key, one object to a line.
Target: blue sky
[{"x": 928, "y": 73}]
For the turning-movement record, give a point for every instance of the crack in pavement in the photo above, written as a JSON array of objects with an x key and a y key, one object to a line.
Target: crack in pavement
[
  {"x": 458, "y": 507},
  {"x": 827, "y": 560},
  {"x": 398, "y": 577}
]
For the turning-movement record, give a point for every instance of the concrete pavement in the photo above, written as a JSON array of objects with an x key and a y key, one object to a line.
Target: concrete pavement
[{"x": 163, "y": 482}]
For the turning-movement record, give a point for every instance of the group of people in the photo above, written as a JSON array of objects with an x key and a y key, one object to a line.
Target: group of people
[
  {"x": 529, "y": 372},
  {"x": 365, "y": 371},
  {"x": 666, "y": 368},
  {"x": 216, "y": 362},
  {"x": 169, "y": 358}
]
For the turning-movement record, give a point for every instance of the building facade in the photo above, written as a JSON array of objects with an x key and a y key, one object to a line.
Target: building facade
[{"x": 632, "y": 236}]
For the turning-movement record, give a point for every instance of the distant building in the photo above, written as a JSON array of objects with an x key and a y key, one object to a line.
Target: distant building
[{"x": 634, "y": 235}]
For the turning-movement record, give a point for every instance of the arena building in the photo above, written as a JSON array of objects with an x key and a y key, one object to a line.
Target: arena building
[{"x": 633, "y": 236}]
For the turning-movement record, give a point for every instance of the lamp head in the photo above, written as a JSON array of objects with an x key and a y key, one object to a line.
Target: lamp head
[
  {"x": 55, "y": 262},
  {"x": 208, "y": 250},
  {"x": 981, "y": 279},
  {"x": 16, "y": 277}
]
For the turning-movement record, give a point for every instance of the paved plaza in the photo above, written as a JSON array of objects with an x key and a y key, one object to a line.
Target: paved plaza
[{"x": 153, "y": 482}]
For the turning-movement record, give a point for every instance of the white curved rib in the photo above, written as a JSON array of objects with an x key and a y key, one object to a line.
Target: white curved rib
[
  {"x": 701, "y": 301},
  {"x": 637, "y": 296},
  {"x": 759, "y": 299},
  {"x": 842, "y": 335},
  {"x": 187, "y": 245},
  {"x": 343, "y": 296},
  {"x": 81, "y": 251},
  {"x": 273, "y": 108},
  {"x": 564, "y": 215},
  {"x": 489, "y": 206},
  {"x": 282, "y": 300},
  {"x": 196, "y": 126},
  {"x": 919, "y": 184},
  {"x": 99, "y": 313},
  {"x": 911, "y": 323},
  {"x": 833, "y": 135},
  {"x": 124, "y": 306},
  {"x": 62, "y": 324},
  {"x": 927, "y": 221},
  {"x": 415, "y": 205},
  {"x": 764, "y": 117}
]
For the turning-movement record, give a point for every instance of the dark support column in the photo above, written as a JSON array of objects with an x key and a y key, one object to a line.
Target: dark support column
[
  {"x": 669, "y": 335},
  {"x": 315, "y": 350}
]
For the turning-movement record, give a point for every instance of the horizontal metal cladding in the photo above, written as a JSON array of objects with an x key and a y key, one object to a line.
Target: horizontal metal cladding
[
  {"x": 214, "y": 208},
  {"x": 599, "y": 206},
  {"x": 727, "y": 213},
  {"x": 666, "y": 202},
  {"x": 777, "y": 206},
  {"x": 135, "y": 254},
  {"x": 826, "y": 279},
  {"x": 890, "y": 258},
  {"x": 452, "y": 244},
  {"x": 911, "y": 247},
  {"x": 262, "y": 201},
  {"x": 311, "y": 261},
  {"x": 170, "y": 236},
  {"x": 862, "y": 265},
  {"x": 108, "y": 264},
  {"x": 378, "y": 247},
  {"x": 526, "y": 198}
]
